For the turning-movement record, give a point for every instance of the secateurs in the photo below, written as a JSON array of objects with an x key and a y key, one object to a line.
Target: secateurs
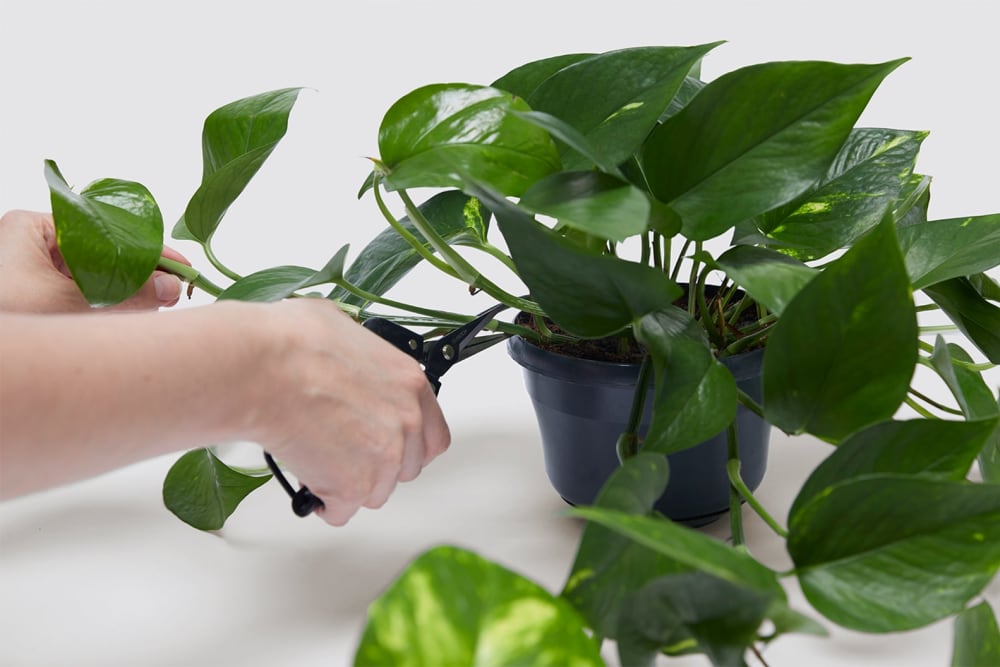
[{"x": 436, "y": 357}]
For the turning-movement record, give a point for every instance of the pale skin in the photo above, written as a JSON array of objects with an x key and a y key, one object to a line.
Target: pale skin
[{"x": 84, "y": 391}]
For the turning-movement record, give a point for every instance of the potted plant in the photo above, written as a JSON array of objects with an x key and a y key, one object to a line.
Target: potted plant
[{"x": 612, "y": 178}]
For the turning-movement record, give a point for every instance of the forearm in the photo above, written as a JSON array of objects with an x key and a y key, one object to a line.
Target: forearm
[{"x": 83, "y": 394}]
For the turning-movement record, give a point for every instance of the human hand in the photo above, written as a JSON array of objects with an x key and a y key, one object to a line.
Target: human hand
[
  {"x": 34, "y": 278},
  {"x": 347, "y": 413}
]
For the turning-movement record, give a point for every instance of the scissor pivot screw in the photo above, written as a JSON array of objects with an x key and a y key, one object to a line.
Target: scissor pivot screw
[
  {"x": 413, "y": 344},
  {"x": 448, "y": 352}
]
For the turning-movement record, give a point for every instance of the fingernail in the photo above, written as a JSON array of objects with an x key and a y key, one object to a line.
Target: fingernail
[{"x": 167, "y": 286}]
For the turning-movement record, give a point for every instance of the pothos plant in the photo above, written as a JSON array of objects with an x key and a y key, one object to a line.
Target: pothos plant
[{"x": 612, "y": 179}]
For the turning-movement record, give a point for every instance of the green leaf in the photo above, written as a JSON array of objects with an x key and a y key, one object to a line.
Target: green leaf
[
  {"x": 691, "y": 612},
  {"x": 938, "y": 250},
  {"x": 456, "y": 217},
  {"x": 609, "y": 567},
  {"x": 616, "y": 98},
  {"x": 934, "y": 448},
  {"x": 913, "y": 551},
  {"x": 524, "y": 79},
  {"x": 569, "y": 135},
  {"x": 588, "y": 294},
  {"x": 771, "y": 278},
  {"x": 203, "y": 492},
  {"x": 688, "y": 547},
  {"x": 592, "y": 202},
  {"x": 695, "y": 395},
  {"x": 987, "y": 287},
  {"x": 445, "y": 135},
  {"x": 110, "y": 235},
  {"x": 977, "y": 638},
  {"x": 236, "y": 140},
  {"x": 452, "y": 607},
  {"x": 974, "y": 397},
  {"x": 754, "y": 139},
  {"x": 279, "y": 282},
  {"x": 976, "y": 317},
  {"x": 863, "y": 182},
  {"x": 842, "y": 354}
]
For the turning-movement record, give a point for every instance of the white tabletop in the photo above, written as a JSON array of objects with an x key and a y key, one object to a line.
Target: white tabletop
[{"x": 99, "y": 573}]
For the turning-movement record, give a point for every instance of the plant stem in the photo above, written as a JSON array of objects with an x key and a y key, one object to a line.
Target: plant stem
[
  {"x": 190, "y": 275},
  {"x": 937, "y": 329},
  {"x": 733, "y": 470},
  {"x": 657, "y": 256},
  {"x": 461, "y": 267},
  {"x": 735, "y": 506},
  {"x": 919, "y": 409},
  {"x": 414, "y": 242},
  {"x": 376, "y": 298},
  {"x": 746, "y": 400},
  {"x": 927, "y": 307},
  {"x": 680, "y": 258},
  {"x": 692, "y": 280},
  {"x": 932, "y": 402},
  {"x": 214, "y": 261}
]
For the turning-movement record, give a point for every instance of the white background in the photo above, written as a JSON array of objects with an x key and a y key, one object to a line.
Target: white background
[{"x": 98, "y": 573}]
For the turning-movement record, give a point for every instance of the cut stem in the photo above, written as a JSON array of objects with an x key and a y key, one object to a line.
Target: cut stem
[{"x": 191, "y": 275}]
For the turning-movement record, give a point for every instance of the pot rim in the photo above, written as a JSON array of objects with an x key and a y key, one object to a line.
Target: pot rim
[{"x": 529, "y": 356}]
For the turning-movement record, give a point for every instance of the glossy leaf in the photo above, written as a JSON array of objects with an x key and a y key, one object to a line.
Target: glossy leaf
[
  {"x": 691, "y": 612},
  {"x": 445, "y": 135},
  {"x": 976, "y": 317},
  {"x": 695, "y": 396},
  {"x": 588, "y": 294},
  {"x": 913, "y": 551},
  {"x": 456, "y": 217},
  {"x": 977, "y": 638},
  {"x": 616, "y": 98},
  {"x": 279, "y": 282},
  {"x": 842, "y": 354},
  {"x": 110, "y": 235},
  {"x": 754, "y": 139},
  {"x": 236, "y": 140},
  {"x": 938, "y": 250},
  {"x": 771, "y": 278},
  {"x": 987, "y": 286},
  {"x": 571, "y": 137},
  {"x": 688, "y": 547},
  {"x": 609, "y": 567},
  {"x": 860, "y": 186},
  {"x": 524, "y": 79},
  {"x": 452, "y": 607},
  {"x": 591, "y": 202},
  {"x": 930, "y": 447},
  {"x": 203, "y": 492}
]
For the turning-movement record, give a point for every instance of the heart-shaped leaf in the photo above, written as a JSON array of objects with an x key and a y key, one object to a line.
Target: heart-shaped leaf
[
  {"x": 524, "y": 79},
  {"x": 456, "y": 217},
  {"x": 938, "y": 250},
  {"x": 976, "y": 317},
  {"x": 688, "y": 547},
  {"x": 608, "y": 566},
  {"x": 930, "y": 447},
  {"x": 445, "y": 135},
  {"x": 754, "y": 139},
  {"x": 236, "y": 140},
  {"x": 110, "y": 235},
  {"x": 203, "y": 492},
  {"x": 889, "y": 552},
  {"x": 586, "y": 293},
  {"x": 591, "y": 202},
  {"x": 691, "y": 612},
  {"x": 977, "y": 638},
  {"x": 771, "y": 278},
  {"x": 615, "y": 98},
  {"x": 842, "y": 354},
  {"x": 280, "y": 282},
  {"x": 863, "y": 182},
  {"x": 695, "y": 396},
  {"x": 452, "y": 607}
]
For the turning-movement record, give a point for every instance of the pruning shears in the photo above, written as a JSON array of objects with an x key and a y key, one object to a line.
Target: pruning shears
[{"x": 436, "y": 357}]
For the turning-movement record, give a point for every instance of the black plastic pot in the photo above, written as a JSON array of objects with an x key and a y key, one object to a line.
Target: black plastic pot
[{"x": 582, "y": 406}]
